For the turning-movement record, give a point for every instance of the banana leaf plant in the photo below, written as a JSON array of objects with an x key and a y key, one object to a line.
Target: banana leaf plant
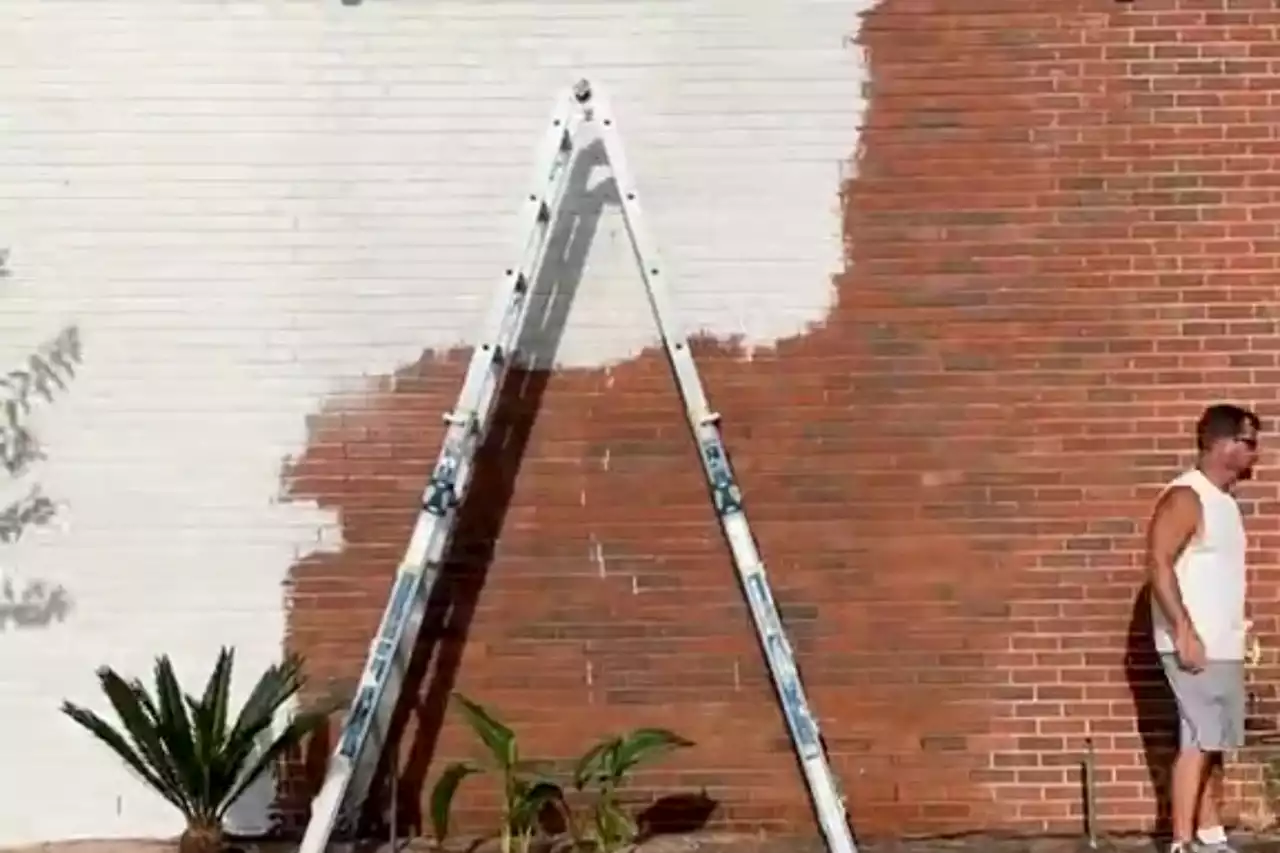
[
  {"x": 188, "y": 749},
  {"x": 526, "y": 787},
  {"x": 604, "y": 768}
]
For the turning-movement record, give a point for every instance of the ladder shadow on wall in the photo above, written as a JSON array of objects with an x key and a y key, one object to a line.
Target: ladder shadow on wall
[{"x": 433, "y": 672}]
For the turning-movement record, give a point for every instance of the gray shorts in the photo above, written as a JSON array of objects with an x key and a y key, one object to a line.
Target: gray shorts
[{"x": 1211, "y": 703}]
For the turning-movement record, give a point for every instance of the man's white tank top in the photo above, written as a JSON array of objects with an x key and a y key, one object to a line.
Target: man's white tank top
[{"x": 1211, "y": 575}]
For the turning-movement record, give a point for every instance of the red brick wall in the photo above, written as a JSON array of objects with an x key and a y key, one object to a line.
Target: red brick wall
[{"x": 1062, "y": 243}]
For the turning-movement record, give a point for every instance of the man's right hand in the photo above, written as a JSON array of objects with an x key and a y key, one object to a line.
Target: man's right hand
[{"x": 1191, "y": 655}]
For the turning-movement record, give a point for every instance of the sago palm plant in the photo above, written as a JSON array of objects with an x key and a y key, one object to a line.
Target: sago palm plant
[{"x": 187, "y": 749}]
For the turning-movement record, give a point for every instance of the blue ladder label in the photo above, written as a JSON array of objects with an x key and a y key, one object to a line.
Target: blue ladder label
[
  {"x": 793, "y": 704},
  {"x": 353, "y": 732},
  {"x": 725, "y": 493}
]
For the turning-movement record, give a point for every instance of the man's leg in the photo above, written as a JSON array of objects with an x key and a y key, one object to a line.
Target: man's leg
[
  {"x": 1185, "y": 787},
  {"x": 1226, "y": 680},
  {"x": 1197, "y": 721},
  {"x": 1209, "y": 828}
]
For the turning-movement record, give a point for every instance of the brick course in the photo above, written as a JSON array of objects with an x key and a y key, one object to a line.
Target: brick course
[{"x": 1062, "y": 242}]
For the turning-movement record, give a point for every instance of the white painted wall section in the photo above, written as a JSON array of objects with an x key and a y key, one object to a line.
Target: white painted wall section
[{"x": 246, "y": 207}]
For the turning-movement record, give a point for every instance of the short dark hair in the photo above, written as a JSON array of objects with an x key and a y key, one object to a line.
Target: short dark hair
[{"x": 1223, "y": 421}]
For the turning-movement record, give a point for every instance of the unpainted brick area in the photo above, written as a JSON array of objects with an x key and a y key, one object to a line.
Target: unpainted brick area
[{"x": 1062, "y": 242}]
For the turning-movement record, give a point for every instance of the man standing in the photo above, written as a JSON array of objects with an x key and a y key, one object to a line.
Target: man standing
[{"x": 1196, "y": 562}]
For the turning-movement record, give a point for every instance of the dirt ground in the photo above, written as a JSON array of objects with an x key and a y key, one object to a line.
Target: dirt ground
[{"x": 713, "y": 843}]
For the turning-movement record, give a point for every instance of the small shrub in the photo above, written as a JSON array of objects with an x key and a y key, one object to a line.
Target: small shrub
[
  {"x": 526, "y": 789},
  {"x": 183, "y": 747},
  {"x": 604, "y": 768}
]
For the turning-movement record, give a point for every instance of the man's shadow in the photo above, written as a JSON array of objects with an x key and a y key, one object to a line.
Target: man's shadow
[{"x": 1154, "y": 708}]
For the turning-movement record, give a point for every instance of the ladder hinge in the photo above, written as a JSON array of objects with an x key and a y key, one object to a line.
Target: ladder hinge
[
  {"x": 442, "y": 493},
  {"x": 521, "y": 281},
  {"x": 724, "y": 490}
]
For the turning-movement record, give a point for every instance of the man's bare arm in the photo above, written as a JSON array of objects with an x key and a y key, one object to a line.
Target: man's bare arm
[{"x": 1173, "y": 522}]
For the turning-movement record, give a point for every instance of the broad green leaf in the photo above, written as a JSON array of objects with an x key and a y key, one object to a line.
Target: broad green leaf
[
  {"x": 641, "y": 745},
  {"x": 497, "y": 738},
  {"x": 442, "y": 795},
  {"x": 531, "y": 799},
  {"x": 591, "y": 764}
]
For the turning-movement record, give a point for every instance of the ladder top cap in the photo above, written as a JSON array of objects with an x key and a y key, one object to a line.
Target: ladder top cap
[{"x": 582, "y": 91}]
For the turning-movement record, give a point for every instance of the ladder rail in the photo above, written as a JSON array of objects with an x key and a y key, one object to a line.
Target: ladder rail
[
  {"x": 355, "y": 759},
  {"x": 824, "y": 790}
]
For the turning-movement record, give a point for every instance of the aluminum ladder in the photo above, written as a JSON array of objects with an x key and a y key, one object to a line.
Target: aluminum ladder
[{"x": 364, "y": 736}]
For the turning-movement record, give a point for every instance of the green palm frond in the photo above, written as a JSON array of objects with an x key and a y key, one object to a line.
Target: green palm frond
[
  {"x": 104, "y": 732},
  {"x": 297, "y": 729},
  {"x": 176, "y": 735},
  {"x": 140, "y": 717},
  {"x": 279, "y": 684},
  {"x": 497, "y": 738}
]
